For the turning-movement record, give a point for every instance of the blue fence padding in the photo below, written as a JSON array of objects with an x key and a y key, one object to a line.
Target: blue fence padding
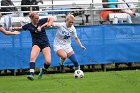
[{"x": 105, "y": 44}]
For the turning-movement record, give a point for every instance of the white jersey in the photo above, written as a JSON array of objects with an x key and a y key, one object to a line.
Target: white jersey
[{"x": 63, "y": 34}]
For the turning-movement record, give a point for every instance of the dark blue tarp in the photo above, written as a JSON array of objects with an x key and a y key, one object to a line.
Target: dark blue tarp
[{"x": 105, "y": 44}]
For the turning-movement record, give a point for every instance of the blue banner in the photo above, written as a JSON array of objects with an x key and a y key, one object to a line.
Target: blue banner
[{"x": 105, "y": 44}]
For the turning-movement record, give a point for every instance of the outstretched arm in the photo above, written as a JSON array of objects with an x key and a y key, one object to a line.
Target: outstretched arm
[
  {"x": 8, "y": 32},
  {"x": 49, "y": 23},
  {"x": 15, "y": 28},
  {"x": 79, "y": 43}
]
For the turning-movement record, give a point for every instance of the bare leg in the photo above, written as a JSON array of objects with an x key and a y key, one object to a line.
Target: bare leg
[
  {"x": 62, "y": 54},
  {"x": 34, "y": 54}
]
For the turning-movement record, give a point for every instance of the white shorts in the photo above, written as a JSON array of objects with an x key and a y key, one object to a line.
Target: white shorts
[{"x": 67, "y": 48}]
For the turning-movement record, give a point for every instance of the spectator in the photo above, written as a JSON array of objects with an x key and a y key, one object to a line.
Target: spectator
[
  {"x": 119, "y": 18},
  {"x": 129, "y": 8},
  {"x": 30, "y": 2},
  {"x": 7, "y": 16},
  {"x": 105, "y": 13},
  {"x": 7, "y": 9},
  {"x": 110, "y": 5}
]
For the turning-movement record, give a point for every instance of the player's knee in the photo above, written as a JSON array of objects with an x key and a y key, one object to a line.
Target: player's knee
[{"x": 63, "y": 56}]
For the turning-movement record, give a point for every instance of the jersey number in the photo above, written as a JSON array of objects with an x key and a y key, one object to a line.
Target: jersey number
[{"x": 66, "y": 37}]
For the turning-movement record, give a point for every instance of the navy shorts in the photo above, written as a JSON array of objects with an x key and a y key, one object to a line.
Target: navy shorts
[{"x": 41, "y": 46}]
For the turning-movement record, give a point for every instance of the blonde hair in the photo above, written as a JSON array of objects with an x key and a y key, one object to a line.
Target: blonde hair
[
  {"x": 32, "y": 14},
  {"x": 70, "y": 17}
]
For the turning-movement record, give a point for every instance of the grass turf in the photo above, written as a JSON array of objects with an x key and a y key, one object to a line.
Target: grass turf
[{"x": 93, "y": 82}]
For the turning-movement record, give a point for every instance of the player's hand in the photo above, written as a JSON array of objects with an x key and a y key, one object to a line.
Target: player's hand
[
  {"x": 16, "y": 32},
  {"x": 49, "y": 25},
  {"x": 39, "y": 29},
  {"x": 84, "y": 48}
]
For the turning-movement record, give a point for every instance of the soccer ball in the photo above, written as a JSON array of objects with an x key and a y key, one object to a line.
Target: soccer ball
[{"x": 78, "y": 74}]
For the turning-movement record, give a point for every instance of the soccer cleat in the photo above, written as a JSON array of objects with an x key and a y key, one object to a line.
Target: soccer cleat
[
  {"x": 42, "y": 71},
  {"x": 30, "y": 77},
  {"x": 62, "y": 65},
  {"x": 62, "y": 68}
]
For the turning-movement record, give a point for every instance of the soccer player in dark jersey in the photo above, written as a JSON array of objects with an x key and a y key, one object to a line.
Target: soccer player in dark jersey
[
  {"x": 40, "y": 41},
  {"x": 8, "y": 32}
]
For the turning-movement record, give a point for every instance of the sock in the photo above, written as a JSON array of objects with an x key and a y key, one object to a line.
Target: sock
[
  {"x": 44, "y": 69},
  {"x": 32, "y": 68},
  {"x": 46, "y": 66},
  {"x": 74, "y": 60},
  {"x": 62, "y": 61}
]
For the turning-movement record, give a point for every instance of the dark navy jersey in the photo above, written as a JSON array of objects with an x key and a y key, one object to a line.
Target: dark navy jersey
[
  {"x": 37, "y": 37},
  {"x": 0, "y": 25}
]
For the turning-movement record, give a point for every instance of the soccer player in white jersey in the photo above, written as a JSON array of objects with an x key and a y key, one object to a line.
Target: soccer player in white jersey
[{"x": 62, "y": 41}]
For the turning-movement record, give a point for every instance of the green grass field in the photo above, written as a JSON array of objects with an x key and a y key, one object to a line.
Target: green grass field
[{"x": 93, "y": 82}]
